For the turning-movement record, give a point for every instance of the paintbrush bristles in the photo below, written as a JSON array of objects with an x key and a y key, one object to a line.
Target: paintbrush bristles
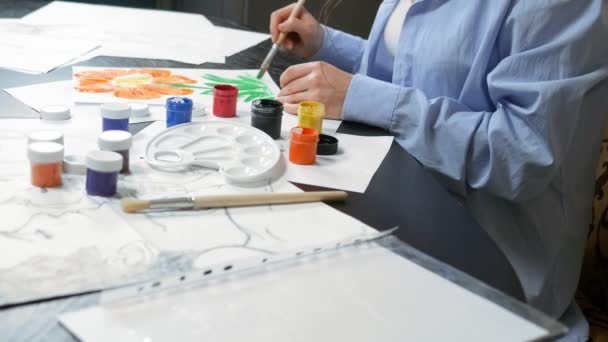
[{"x": 133, "y": 205}]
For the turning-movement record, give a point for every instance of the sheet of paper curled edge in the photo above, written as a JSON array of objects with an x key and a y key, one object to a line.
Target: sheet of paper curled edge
[{"x": 220, "y": 272}]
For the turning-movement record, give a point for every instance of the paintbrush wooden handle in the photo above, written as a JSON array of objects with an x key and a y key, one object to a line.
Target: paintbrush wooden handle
[
  {"x": 294, "y": 13},
  {"x": 227, "y": 201}
]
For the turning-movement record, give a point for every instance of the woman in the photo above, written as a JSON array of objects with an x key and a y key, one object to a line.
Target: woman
[{"x": 504, "y": 100}]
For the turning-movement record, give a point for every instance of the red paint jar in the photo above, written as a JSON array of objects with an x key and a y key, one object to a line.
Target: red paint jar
[
  {"x": 303, "y": 145},
  {"x": 224, "y": 100}
]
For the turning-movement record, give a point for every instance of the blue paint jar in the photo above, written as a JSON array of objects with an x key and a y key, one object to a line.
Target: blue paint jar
[
  {"x": 102, "y": 173},
  {"x": 115, "y": 116},
  {"x": 179, "y": 111}
]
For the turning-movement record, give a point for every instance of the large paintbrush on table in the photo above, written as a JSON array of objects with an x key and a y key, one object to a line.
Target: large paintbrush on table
[{"x": 132, "y": 205}]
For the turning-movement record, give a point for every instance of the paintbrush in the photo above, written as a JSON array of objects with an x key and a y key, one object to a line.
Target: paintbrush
[
  {"x": 275, "y": 47},
  {"x": 132, "y": 205}
]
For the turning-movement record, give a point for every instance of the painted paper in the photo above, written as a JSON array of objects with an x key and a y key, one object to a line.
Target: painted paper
[{"x": 154, "y": 86}]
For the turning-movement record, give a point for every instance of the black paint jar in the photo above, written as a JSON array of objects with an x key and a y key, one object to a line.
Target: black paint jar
[{"x": 267, "y": 115}]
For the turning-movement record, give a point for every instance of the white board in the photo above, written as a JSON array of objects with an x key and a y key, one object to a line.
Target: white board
[{"x": 355, "y": 295}]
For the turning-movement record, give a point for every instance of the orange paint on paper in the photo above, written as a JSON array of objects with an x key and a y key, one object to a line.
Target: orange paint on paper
[{"x": 134, "y": 84}]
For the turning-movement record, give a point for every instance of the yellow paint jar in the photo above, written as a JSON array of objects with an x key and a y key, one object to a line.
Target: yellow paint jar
[{"x": 310, "y": 115}]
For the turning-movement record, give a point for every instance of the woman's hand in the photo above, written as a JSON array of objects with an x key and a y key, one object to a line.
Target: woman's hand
[
  {"x": 315, "y": 81},
  {"x": 305, "y": 34}
]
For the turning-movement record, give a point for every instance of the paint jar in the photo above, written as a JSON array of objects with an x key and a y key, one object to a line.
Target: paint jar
[
  {"x": 119, "y": 142},
  {"x": 46, "y": 160},
  {"x": 55, "y": 113},
  {"x": 303, "y": 145},
  {"x": 310, "y": 114},
  {"x": 102, "y": 173},
  {"x": 115, "y": 116},
  {"x": 224, "y": 100},
  {"x": 179, "y": 111},
  {"x": 266, "y": 115},
  {"x": 45, "y": 136},
  {"x": 139, "y": 110}
]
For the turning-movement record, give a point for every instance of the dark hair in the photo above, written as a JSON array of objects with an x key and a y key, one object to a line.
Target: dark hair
[{"x": 328, "y": 7}]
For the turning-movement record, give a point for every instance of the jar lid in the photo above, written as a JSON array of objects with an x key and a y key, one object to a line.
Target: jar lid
[
  {"x": 179, "y": 104},
  {"x": 140, "y": 110},
  {"x": 199, "y": 109},
  {"x": 116, "y": 111},
  {"x": 55, "y": 113},
  {"x": 327, "y": 145},
  {"x": 45, "y": 136},
  {"x": 74, "y": 164},
  {"x": 225, "y": 90},
  {"x": 104, "y": 161},
  {"x": 115, "y": 141},
  {"x": 267, "y": 107},
  {"x": 45, "y": 152}
]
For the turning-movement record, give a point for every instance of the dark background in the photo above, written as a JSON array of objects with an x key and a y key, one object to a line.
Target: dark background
[{"x": 354, "y": 16}]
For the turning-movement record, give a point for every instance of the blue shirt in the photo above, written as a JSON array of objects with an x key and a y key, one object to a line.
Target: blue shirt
[{"x": 503, "y": 100}]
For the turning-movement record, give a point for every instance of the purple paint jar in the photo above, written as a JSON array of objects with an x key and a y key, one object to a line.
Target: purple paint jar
[
  {"x": 115, "y": 116},
  {"x": 179, "y": 111},
  {"x": 102, "y": 173},
  {"x": 119, "y": 142}
]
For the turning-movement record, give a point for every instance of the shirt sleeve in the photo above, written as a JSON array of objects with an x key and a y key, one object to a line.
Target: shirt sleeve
[
  {"x": 341, "y": 49},
  {"x": 540, "y": 88}
]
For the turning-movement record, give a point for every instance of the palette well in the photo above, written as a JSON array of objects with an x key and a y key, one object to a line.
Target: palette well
[{"x": 239, "y": 152}]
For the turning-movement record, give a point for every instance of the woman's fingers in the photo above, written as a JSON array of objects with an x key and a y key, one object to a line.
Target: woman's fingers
[
  {"x": 315, "y": 81},
  {"x": 295, "y": 99},
  {"x": 294, "y": 72},
  {"x": 290, "y": 108},
  {"x": 277, "y": 17},
  {"x": 296, "y": 86}
]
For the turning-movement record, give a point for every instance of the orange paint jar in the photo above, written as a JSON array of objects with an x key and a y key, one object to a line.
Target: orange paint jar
[
  {"x": 46, "y": 160},
  {"x": 303, "y": 145}
]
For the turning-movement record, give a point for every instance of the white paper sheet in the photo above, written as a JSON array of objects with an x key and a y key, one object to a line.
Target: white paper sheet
[
  {"x": 23, "y": 45},
  {"x": 356, "y": 295},
  {"x": 234, "y": 41},
  {"x": 351, "y": 169},
  {"x": 139, "y": 33}
]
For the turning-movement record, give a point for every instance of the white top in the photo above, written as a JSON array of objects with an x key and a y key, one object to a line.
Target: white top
[
  {"x": 55, "y": 113},
  {"x": 115, "y": 141},
  {"x": 74, "y": 164},
  {"x": 116, "y": 111},
  {"x": 104, "y": 161},
  {"x": 198, "y": 109},
  {"x": 140, "y": 110},
  {"x": 45, "y": 136},
  {"x": 393, "y": 28},
  {"x": 45, "y": 152}
]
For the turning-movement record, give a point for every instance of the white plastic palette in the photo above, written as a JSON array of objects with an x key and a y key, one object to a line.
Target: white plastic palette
[{"x": 240, "y": 152}]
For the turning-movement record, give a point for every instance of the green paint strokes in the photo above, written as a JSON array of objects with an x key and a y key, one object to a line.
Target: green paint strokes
[{"x": 250, "y": 88}]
